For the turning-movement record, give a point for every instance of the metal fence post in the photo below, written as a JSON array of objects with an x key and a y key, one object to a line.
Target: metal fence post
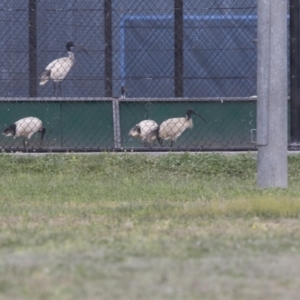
[
  {"x": 272, "y": 94},
  {"x": 116, "y": 122},
  {"x": 32, "y": 48},
  {"x": 108, "y": 48},
  {"x": 178, "y": 47}
]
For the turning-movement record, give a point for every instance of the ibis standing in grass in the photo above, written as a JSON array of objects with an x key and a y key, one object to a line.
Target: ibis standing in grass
[
  {"x": 142, "y": 130},
  {"x": 58, "y": 69},
  {"x": 25, "y": 127},
  {"x": 172, "y": 129}
]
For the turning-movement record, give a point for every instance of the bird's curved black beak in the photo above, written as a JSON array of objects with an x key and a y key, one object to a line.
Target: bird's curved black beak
[
  {"x": 81, "y": 48},
  {"x": 200, "y": 117},
  {"x": 43, "y": 131}
]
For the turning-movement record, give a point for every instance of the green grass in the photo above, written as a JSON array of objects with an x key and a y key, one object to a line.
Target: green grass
[{"x": 125, "y": 226}]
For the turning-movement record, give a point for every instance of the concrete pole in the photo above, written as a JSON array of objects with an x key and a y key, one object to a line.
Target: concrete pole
[{"x": 272, "y": 93}]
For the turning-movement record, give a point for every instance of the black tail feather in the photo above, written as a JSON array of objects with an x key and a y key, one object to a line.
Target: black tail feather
[{"x": 155, "y": 132}]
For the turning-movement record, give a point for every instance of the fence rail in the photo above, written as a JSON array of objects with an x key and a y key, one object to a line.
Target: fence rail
[{"x": 103, "y": 124}]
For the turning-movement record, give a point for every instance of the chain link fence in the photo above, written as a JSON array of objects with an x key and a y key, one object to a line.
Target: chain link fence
[{"x": 127, "y": 62}]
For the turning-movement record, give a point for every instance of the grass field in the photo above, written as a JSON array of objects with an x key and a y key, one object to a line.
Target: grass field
[{"x": 114, "y": 226}]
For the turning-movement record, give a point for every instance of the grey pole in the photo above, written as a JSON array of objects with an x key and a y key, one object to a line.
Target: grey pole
[{"x": 272, "y": 93}]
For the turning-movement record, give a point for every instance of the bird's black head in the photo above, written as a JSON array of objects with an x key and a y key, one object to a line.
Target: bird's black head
[
  {"x": 190, "y": 112},
  {"x": 137, "y": 128},
  {"x": 10, "y": 130},
  {"x": 135, "y": 131},
  {"x": 71, "y": 44}
]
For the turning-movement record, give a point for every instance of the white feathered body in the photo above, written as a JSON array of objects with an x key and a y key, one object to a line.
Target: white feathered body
[
  {"x": 28, "y": 126},
  {"x": 172, "y": 129},
  {"x": 142, "y": 130},
  {"x": 58, "y": 69}
]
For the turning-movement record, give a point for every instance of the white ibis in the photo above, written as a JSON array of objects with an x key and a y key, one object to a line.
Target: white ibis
[
  {"x": 58, "y": 69},
  {"x": 25, "y": 127},
  {"x": 172, "y": 129},
  {"x": 142, "y": 130}
]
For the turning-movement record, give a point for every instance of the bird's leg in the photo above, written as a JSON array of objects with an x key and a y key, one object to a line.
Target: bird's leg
[
  {"x": 25, "y": 143},
  {"x": 149, "y": 145},
  {"x": 43, "y": 131},
  {"x": 160, "y": 142},
  {"x": 59, "y": 86},
  {"x": 54, "y": 87}
]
